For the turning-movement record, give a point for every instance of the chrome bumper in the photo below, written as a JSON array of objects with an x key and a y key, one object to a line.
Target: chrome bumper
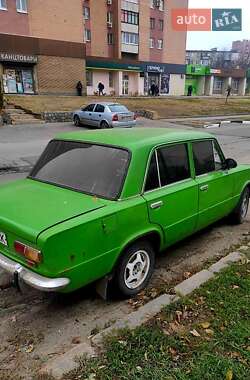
[{"x": 31, "y": 278}]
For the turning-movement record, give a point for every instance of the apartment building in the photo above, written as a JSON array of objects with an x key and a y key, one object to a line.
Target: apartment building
[
  {"x": 41, "y": 46},
  {"x": 130, "y": 44}
]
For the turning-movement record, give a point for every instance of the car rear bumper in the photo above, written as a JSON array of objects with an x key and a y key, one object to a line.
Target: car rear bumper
[
  {"x": 31, "y": 278},
  {"x": 123, "y": 124}
]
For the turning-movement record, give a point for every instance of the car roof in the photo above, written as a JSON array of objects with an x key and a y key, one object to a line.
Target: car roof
[
  {"x": 134, "y": 138},
  {"x": 107, "y": 103}
]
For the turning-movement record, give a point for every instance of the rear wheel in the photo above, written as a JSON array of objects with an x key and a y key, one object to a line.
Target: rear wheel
[
  {"x": 135, "y": 269},
  {"x": 77, "y": 121},
  {"x": 240, "y": 212},
  {"x": 104, "y": 125}
]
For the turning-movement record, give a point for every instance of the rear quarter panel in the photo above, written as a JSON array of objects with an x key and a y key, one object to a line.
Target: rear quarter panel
[
  {"x": 87, "y": 248},
  {"x": 241, "y": 176}
]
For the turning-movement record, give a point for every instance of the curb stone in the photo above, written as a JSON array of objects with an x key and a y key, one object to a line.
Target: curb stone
[
  {"x": 188, "y": 286},
  {"x": 223, "y": 263},
  {"x": 136, "y": 318},
  {"x": 67, "y": 362}
]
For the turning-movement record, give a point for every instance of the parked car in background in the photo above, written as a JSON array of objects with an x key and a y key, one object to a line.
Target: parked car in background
[
  {"x": 104, "y": 203},
  {"x": 104, "y": 115}
]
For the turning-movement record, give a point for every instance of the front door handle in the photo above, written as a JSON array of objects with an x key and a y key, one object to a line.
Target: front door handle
[
  {"x": 156, "y": 205},
  {"x": 204, "y": 188}
]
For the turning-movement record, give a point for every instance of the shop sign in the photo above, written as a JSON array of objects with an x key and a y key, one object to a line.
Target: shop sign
[
  {"x": 8, "y": 57},
  {"x": 215, "y": 71},
  {"x": 197, "y": 70},
  {"x": 155, "y": 69}
]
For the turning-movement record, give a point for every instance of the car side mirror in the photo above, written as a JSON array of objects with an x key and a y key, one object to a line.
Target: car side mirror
[{"x": 230, "y": 163}]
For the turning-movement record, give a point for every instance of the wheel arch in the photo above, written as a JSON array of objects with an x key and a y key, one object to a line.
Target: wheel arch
[{"x": 154, "y": 237}]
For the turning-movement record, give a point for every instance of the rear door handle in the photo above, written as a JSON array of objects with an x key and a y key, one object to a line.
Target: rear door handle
[
  {"x": 156, "y": 205},
  {"x": 204, "y": 188}
]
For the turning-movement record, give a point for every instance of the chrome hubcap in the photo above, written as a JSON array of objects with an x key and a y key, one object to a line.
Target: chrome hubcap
[
  {"x": 137, "y": 269},
  {"x": 244, "y": 206}
]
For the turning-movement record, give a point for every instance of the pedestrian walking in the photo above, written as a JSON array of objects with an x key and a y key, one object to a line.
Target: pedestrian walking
[
  {"x": 100, "y": 88},
  {"x": 229, "y": 89},
  {"x": 190, "y": 90},
  {"x": 152, "y": 89},
  {"x": 157, "y": 90},
  {"x": 79, "y": 88}
]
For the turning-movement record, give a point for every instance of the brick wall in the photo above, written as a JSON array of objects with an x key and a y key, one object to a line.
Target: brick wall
[
  {"x": 13, "y": 22},
  {"x": 59, "y": 75},
  {"x": 56, "y": 19},
  {"x": 174, "y": 42}
]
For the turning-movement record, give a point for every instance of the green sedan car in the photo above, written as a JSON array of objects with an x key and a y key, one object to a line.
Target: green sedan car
[{"x": 101, "y": 204}]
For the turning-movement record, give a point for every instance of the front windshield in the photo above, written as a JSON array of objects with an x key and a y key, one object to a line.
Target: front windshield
[{"x": 88, "y": 168}]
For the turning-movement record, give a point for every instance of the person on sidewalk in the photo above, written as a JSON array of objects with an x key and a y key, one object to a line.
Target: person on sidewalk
[
  {"x": 229, "y": 89},
  {"x": 79, "y": 88},
  {"x": 190, "y": 90},
  {"x": 152, "y": 89},
  {"x": 101, "y": 88}
]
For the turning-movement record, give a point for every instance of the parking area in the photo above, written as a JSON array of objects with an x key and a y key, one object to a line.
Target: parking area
[{"x": 35, "y": 327}]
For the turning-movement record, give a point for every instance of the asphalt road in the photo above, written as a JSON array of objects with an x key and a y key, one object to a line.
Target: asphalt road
[{"x": 35, "y": 327}]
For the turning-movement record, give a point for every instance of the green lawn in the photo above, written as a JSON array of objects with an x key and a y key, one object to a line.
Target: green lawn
[{"x": 204, "y": 337}]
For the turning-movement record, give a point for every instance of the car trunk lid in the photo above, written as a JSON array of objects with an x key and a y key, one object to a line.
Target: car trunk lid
[{"x": 29, "y": 207}]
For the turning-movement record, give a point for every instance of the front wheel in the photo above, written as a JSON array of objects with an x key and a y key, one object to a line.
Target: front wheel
[
  {"x": 239, "y": 214},
  {"x": 135, "y": 268}
]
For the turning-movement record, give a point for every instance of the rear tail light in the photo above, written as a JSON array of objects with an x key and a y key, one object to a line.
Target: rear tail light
[
  {"x": 31, "y": 254},
  {"x": 115, "y": 118}
]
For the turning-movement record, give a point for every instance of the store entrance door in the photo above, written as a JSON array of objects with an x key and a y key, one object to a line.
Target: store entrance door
[{"x": 153, "y": 78}]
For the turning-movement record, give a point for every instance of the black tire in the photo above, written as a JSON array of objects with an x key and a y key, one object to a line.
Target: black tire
[
  {"x": 240, "y": 212},
  {"x": 77, "y": 121},
  {"x": 145, "y": 250},
  {"x": 104, "y": 125}
]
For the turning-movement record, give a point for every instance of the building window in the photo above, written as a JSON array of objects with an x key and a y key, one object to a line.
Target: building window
[
  {"x": 160, "y": 44},
  {"x": 110, "y": 39},
  {"x": 152, "y": 23},
  {"x": 110, "y": 17},
  {"x": 130, "y": 38},
  {"x": 89, "y": 78},
  {"x": 125, "y": 84},
  {"x": 3, "y": 5},
  {"x": 161, "y": 25},
  {"x": 157, "y": 4},
  {"x": 87, "y": 35},
  {"x": 130, "y": 17},
  {"x": 111, "y": 79},
  {"x": 21, "y": 6},
  {"x": 151, "y": 43},
  {"x": 86, "y": 13}
]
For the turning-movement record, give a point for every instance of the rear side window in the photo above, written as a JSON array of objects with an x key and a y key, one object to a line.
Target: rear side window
[
  {"x": 100, "y": 108},
  {"x": 117, "y": 108},
  {"x": 203, "y": 157},
  {"x": 152, "y": 181},
  {"x": 173, "y": 164},
  {"x": 90, "y": 108}
]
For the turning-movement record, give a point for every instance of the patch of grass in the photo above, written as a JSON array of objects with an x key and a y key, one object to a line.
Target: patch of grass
[
  {"x": 205, "y": 336},
  {"x": 164, "y": 107}
]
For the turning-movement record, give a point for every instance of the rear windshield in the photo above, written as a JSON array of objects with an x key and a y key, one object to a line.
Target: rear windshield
[
  {"x": 117, "y": 108},
  {"x": 88, "y": 168}
]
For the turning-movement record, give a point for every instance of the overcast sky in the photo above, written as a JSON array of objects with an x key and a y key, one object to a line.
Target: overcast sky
[{"x": 222, "y": 40}]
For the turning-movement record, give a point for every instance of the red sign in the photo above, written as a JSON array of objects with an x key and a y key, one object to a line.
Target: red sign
[{"x": 192, "y": 19}]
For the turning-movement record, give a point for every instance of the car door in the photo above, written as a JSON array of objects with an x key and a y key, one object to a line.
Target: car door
[
  {"x": 171, "y": 192},
  {"x": 98, "y": 114},
  {"x": 215, "y": 183},
  {"x": 86, "y": 115}
]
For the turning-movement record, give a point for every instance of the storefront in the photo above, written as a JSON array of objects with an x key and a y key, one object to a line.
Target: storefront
[
  {"x": 134, "y": 79},
  {"x": 30, "y": 65},
  {"x": 119, "y": 78},
  {"x": 18, "y": 73},
  {"x": 198, "y": 77}
]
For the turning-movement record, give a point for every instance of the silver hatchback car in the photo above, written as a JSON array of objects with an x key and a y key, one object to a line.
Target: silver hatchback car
[{"x": 104, "y": 115}]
